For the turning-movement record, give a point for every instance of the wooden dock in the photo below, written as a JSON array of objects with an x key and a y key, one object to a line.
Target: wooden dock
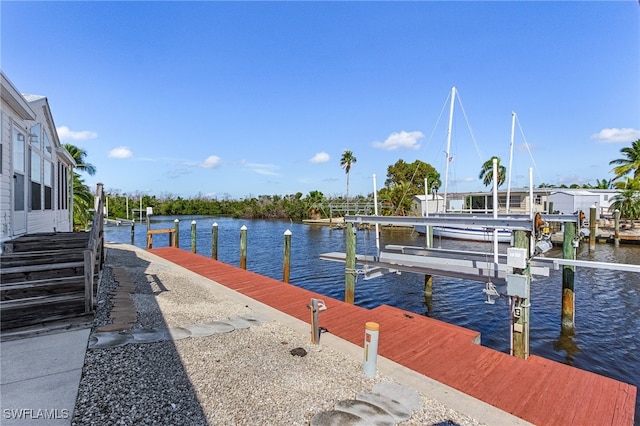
[{"x": 538, "y": 390}]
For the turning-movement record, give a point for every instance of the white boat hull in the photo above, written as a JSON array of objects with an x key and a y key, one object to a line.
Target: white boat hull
[{"x": 468, "y": 233}]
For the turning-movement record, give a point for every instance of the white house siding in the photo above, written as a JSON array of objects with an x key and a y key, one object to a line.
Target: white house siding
[
  {"x": 5, "y": 177},
  {"x": 24, "y": 112},
  {"x": 571, "y": 202}
]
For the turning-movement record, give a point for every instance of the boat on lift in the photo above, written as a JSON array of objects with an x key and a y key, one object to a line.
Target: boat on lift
[{"x": 471, "y": 233}]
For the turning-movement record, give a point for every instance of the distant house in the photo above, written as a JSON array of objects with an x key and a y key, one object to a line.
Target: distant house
[
  {"x": 567, "y": 201},
  {"x": 421, "y": 204},
  {"x": 35, "y": 170},
  {"x": 520, "y": 201}
]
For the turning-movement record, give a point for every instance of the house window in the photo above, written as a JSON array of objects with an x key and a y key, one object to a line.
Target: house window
[
  {"x": 537, "y": 200},
  {"x": 34, "y": 135},
  {"x": 606, "y": 197},
  {"x": 62, "y": 187},
  {"x": 48, "y": 189},
  {"x": 18, "y": 170},
  {"x": 36, "y": 181},
  {"x": 47, "y": 145}
]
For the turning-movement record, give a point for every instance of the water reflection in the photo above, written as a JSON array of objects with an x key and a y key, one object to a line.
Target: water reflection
[{"x": 566, "y": 343}]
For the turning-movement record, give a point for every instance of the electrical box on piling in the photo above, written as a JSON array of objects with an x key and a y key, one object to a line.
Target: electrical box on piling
[{"x": 517, "y": 285}]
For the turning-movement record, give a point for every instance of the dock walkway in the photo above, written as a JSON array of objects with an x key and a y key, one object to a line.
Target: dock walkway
[{"x": 538, "y": 390}]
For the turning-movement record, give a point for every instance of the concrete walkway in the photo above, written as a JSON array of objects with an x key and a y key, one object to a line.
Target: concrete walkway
[{"x": 40, "y": 376}]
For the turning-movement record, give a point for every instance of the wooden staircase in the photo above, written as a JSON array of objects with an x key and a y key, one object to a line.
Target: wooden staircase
[
  {"x": 42, "y": 281},
  {"x": 48, "y": 281}
]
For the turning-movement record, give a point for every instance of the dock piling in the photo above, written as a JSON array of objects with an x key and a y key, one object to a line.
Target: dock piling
[
  {"x": 133, "y": 232},
  {"x": 243, "y": 247},
  {"x": 193, "y": 236},
  {"x": 286, "y": 267},
  {"x": 176, "y": 233},
  {"x": 616, "y": 229},
  {"x": 350, "y": 264},
  {"x": 520, "y": 307},
  {"x": 592, "y": 228},
  {"x": 568, "y": 271},
  {"x": 214, "y": 241}
]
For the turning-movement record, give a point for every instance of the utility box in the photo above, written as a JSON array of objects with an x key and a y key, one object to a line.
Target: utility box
[
  {"x": 517, "y": 285},
  {"x": 517, "y": 257}
]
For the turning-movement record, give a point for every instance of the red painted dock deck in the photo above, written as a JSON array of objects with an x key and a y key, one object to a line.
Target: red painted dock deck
[{"x": 538, "y": 390}]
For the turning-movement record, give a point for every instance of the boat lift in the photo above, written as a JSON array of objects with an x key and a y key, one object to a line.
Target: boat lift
[{"x": 470, "y": 265}]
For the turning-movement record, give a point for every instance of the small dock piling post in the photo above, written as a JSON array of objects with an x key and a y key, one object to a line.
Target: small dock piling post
[
  {"x": 315, "y": 325},
  {"x": 193, "y": 236},
  {"x": 592, "y": 228},
  {"x": 520, "y": 323},
  {"x": 550, "y": 207},
  {"x": 286, "y": 268},
  {"x": 428, "y": 285},
  {"x": 616, "y": 227},
  {"x": 350, "y": 265},
  {"x": 568, "y": 272},
  {"x": 214, "y": 241},
  {"x": 243, "y": 247},
  {"x": 133, "y": 232},
  {"x": 176, "y": 233}
]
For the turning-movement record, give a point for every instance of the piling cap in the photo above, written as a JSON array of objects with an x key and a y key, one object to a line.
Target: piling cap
[{"x": 372, "y": 326}]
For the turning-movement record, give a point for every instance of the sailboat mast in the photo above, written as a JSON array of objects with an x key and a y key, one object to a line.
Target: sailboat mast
[
  {"x": 448, "y": 159},
  {"x": 513, "y": 126}
]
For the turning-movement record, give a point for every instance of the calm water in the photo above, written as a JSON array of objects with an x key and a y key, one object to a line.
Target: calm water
[{"x": 606, "y": 339}]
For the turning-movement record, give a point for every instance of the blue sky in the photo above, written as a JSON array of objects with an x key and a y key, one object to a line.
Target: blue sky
[{"x": 250, "y": 98}]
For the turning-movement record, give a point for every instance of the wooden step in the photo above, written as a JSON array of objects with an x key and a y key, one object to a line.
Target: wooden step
[
  {"x": 25, "y": 289},
  {"x": 40, "y": 309},
  {"x": 13, "y": 260},
  {"x": 41, "y": 272}
]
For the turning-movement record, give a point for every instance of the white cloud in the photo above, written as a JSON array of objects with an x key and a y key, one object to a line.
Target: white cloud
[
  {"x": 211, "y": 162},
  {"x": 66, "y": 134},
  {"x": 321, "y": 157},
  {"x": 120, "y": 152},
  {"x": 406, "y": 140},
  {"x": 615, "y": 135}
]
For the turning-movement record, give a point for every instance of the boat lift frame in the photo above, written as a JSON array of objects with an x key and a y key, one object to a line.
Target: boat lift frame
[{"x": 476, "y": 266}]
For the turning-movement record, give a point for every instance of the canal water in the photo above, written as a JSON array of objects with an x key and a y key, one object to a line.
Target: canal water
[{"x": 606, "y": 338}]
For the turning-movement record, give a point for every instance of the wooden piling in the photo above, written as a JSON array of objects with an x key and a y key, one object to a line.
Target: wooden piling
[
  {"x": 568, "y": 272},
  {"x": 428, "y": 285},
  {"x": 616, "y": 227},
  {"x": 350, "y": 265},
  {"x": 243, "y": 247},
  {"x": 133, "y": 232},
  {"x": 592, "y": 228},
  {"x": 214, "y": 241},
  {"x": 176, "y": 233},
  {"x": 550, "y": 207},
  {"x": 520, "y": 324},
  {"x": 286, "y": 267},
  {"x": 193, "y": 236}
]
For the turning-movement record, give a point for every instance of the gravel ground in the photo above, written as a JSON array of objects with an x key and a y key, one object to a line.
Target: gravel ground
[{"x": 247, "y": 376}]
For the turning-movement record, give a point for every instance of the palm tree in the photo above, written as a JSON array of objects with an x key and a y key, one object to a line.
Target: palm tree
[
  {"x": 82, "y": 195},
  {"x": 486, "y": 172},
  {"x": 629, "y": 164},
  {"x": 600, "y": 184},
  {"x": 79, "y": 156},
  {"x": 346, "y": 161}
]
